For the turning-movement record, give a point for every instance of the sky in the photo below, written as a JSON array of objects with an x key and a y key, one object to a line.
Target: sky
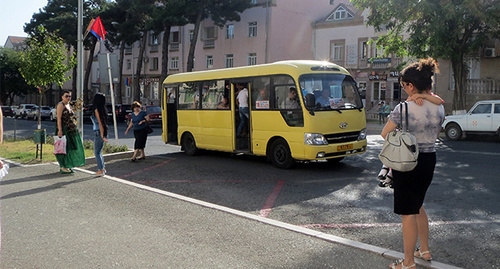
[{"x": 14, "y": 14}]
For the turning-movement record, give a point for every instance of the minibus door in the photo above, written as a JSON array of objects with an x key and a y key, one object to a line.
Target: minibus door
[
  {"x": 170, "y": 116},
  {"x": 243, "y": 132}
]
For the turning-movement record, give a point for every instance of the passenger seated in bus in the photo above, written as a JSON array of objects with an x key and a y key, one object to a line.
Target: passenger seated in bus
[
  {"x": 291, "y": 101},
  {"x": 324, "y": 99},
  {"x": 224, "y": 104},
  {"x": 262, "y": 95}
]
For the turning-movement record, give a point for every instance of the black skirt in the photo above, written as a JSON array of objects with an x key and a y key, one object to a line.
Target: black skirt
[
  {"x": 410, "y": 187},
  {"x": 140, "y": 138}
]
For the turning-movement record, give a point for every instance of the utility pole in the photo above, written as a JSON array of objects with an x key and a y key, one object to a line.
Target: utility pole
[{"x": 79, "y": 67}]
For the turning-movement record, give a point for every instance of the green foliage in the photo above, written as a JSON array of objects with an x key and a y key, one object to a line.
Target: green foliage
[
  {"x": 12, "y": 82},
  {"x": 43, "y": 62}
]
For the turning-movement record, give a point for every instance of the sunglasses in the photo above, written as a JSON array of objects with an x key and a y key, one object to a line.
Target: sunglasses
[{"x": 67, "y": 96}]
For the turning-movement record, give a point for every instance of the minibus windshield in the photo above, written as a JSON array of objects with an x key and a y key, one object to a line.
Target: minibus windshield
[{"x": 331, "y": 91}]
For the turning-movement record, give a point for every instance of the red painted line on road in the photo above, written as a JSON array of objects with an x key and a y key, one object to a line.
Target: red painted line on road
[
  {"x": 268, "y": 205},
  {"x": 378, "y": 225},
  {"x": 146, "y": 169}
]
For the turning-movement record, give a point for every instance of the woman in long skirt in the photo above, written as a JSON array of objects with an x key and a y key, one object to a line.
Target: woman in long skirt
[{"x": 75, "y": 154}]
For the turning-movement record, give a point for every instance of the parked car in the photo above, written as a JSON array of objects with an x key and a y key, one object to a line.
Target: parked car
[
  {"x": 482, "y": 118},
  {"x": 22, "y": 110},
  {"x": 45, "y": 112},
  {"x": 121, "y": 112},
  {"x": 8, "y": 111},
  {"x": 53, "y": 114},
  {"x": 154, "y": 113}
]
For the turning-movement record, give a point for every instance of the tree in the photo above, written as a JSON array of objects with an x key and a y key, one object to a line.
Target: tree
[
  {"x": 12, "y": 82},
  {"x": 60, "y": 16},
  {"x": 45, "y": 62},
  {"x": 167, "y": 13},
  {"x": 220, "y": 11},
  {"x": 447, "y": 29}
]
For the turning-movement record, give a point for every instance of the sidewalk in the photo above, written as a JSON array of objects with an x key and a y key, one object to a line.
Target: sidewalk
[{"x": 49, "y": 220}]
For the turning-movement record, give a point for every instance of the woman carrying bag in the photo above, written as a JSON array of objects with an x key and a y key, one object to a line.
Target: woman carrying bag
[
  {"x": 75, "y": 154},
  {"x": 139, "y": 121},
  {"x": 410, "y": 187}
]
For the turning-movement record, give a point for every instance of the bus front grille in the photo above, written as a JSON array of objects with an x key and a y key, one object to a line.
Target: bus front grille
[{"x": 342, "y": 137}]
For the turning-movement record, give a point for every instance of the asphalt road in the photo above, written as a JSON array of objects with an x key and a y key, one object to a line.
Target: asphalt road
[{"x": 343, "y": 199}]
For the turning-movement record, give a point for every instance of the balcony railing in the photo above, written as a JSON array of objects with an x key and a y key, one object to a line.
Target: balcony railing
[
  {"x": 483, "y": 86},
  {"x": 209, "y": 43},
  {"x": 174, "y": 46}
]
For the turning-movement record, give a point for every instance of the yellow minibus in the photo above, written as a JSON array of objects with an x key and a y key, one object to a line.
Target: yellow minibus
[{"x": 297, "y": 111}]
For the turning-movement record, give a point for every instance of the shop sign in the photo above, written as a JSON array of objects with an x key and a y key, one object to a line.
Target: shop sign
[
  {"x": 378, "y": 77},
  {"x": 379, "y": 60}
]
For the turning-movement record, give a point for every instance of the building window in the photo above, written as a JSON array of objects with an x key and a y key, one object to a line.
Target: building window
[
  {"x": 174, "y": 63},
  {"x": 153, "y": 39},
  {"x": 209, "y": 61},
  {"x": 191, "y": 35},
  {"x": 342, "y": 14},
  {"x": 129, "y": 64},
  {"x": 229, "y": 60},
  {"x": 230, "y": 31},
  {"x": 379, "y": 51},
  {"x": 175, "y": 37},
  {"x": 253, "y": 2},
  {"x": 252, "y": 59},
  {"x": 128, "y": 91},
  {"x": 154, "y": 64},
  {"x": 364, "y": 50},
  {"x": 252, "y": 29},
  {"x": 337, "y": 51},
  {"x": 209, "y": 32}
]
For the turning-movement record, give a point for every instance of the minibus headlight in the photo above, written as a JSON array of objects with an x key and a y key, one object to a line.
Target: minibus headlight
[
  {"x": 314, "y": 139},
  {"x": 362, "y": 134}
]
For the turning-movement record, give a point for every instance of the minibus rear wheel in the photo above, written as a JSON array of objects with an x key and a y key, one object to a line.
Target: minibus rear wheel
[
  {"x": 280, "y": 154},
  {"x": 189, "y": 145}
]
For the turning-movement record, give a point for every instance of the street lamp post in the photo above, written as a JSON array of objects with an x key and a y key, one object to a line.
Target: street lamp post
[{"x": 79, "y": 67}]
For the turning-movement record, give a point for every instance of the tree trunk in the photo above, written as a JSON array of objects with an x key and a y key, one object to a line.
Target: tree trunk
[
  {"x": 137, "y": 89},
  {"x": 190, "y": 63},
  {"x": 460, "y": 75},
  {"x": 88, "y": 70},
  {"x": 120, "y": 64}
]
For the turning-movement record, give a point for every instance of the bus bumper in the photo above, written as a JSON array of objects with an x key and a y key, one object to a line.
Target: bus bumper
[{"x": 317, "y": 152}]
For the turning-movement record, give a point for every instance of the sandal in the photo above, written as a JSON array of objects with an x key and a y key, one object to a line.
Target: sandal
[
  {"x": 398, "y": 262},
  {"x": 383, "y": 173},
  {"x": 133, "y": 159},
  {"x": 420, "y": 254},
  {"x": 141, "y": 158}
]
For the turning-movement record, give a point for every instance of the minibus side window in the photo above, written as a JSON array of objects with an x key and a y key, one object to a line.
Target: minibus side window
[
  {"x": 212, "y": 93},
  {"x": 261, "y": 93},
  {"x": 189, "y": 95}
]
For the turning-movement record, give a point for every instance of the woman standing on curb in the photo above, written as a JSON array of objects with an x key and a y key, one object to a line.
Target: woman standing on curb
[
  {"x": 139, "y": 121},
  {"x": 75, "y": 154},
  {"x": 410, "y": 187},
  {"x": 99, "y": 119}
]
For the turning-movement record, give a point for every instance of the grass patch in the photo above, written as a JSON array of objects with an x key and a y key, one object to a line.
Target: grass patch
[{"x": 24, "y": 151}]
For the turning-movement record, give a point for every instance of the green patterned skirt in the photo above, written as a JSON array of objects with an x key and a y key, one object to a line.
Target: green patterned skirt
[{"x": 75, "y": 154}]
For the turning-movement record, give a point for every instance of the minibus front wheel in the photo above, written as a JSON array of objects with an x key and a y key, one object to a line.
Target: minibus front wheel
[
  {"x": 188, "y": 144},
  {"x": 280, "y": 154}
]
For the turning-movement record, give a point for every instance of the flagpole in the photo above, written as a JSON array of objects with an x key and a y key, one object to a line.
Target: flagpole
[{"x": 79, "y": 67}]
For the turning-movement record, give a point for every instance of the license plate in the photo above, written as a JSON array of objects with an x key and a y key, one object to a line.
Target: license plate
[{"x": 345, "y": 147}]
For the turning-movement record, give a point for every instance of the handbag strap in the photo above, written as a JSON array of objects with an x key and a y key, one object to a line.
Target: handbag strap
[{"x": 406, "y": 116}]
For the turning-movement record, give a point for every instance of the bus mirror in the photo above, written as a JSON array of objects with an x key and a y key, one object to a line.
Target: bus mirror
[{"x": 310, "y": 101}]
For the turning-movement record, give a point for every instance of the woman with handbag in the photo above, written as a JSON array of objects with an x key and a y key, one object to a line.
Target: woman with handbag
[
  {"x": 75, "y": 154},
  {"x": 424, "y": 122},
  {"x": 139, "y": 121},
  {"x": 99, "y": 119}
]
